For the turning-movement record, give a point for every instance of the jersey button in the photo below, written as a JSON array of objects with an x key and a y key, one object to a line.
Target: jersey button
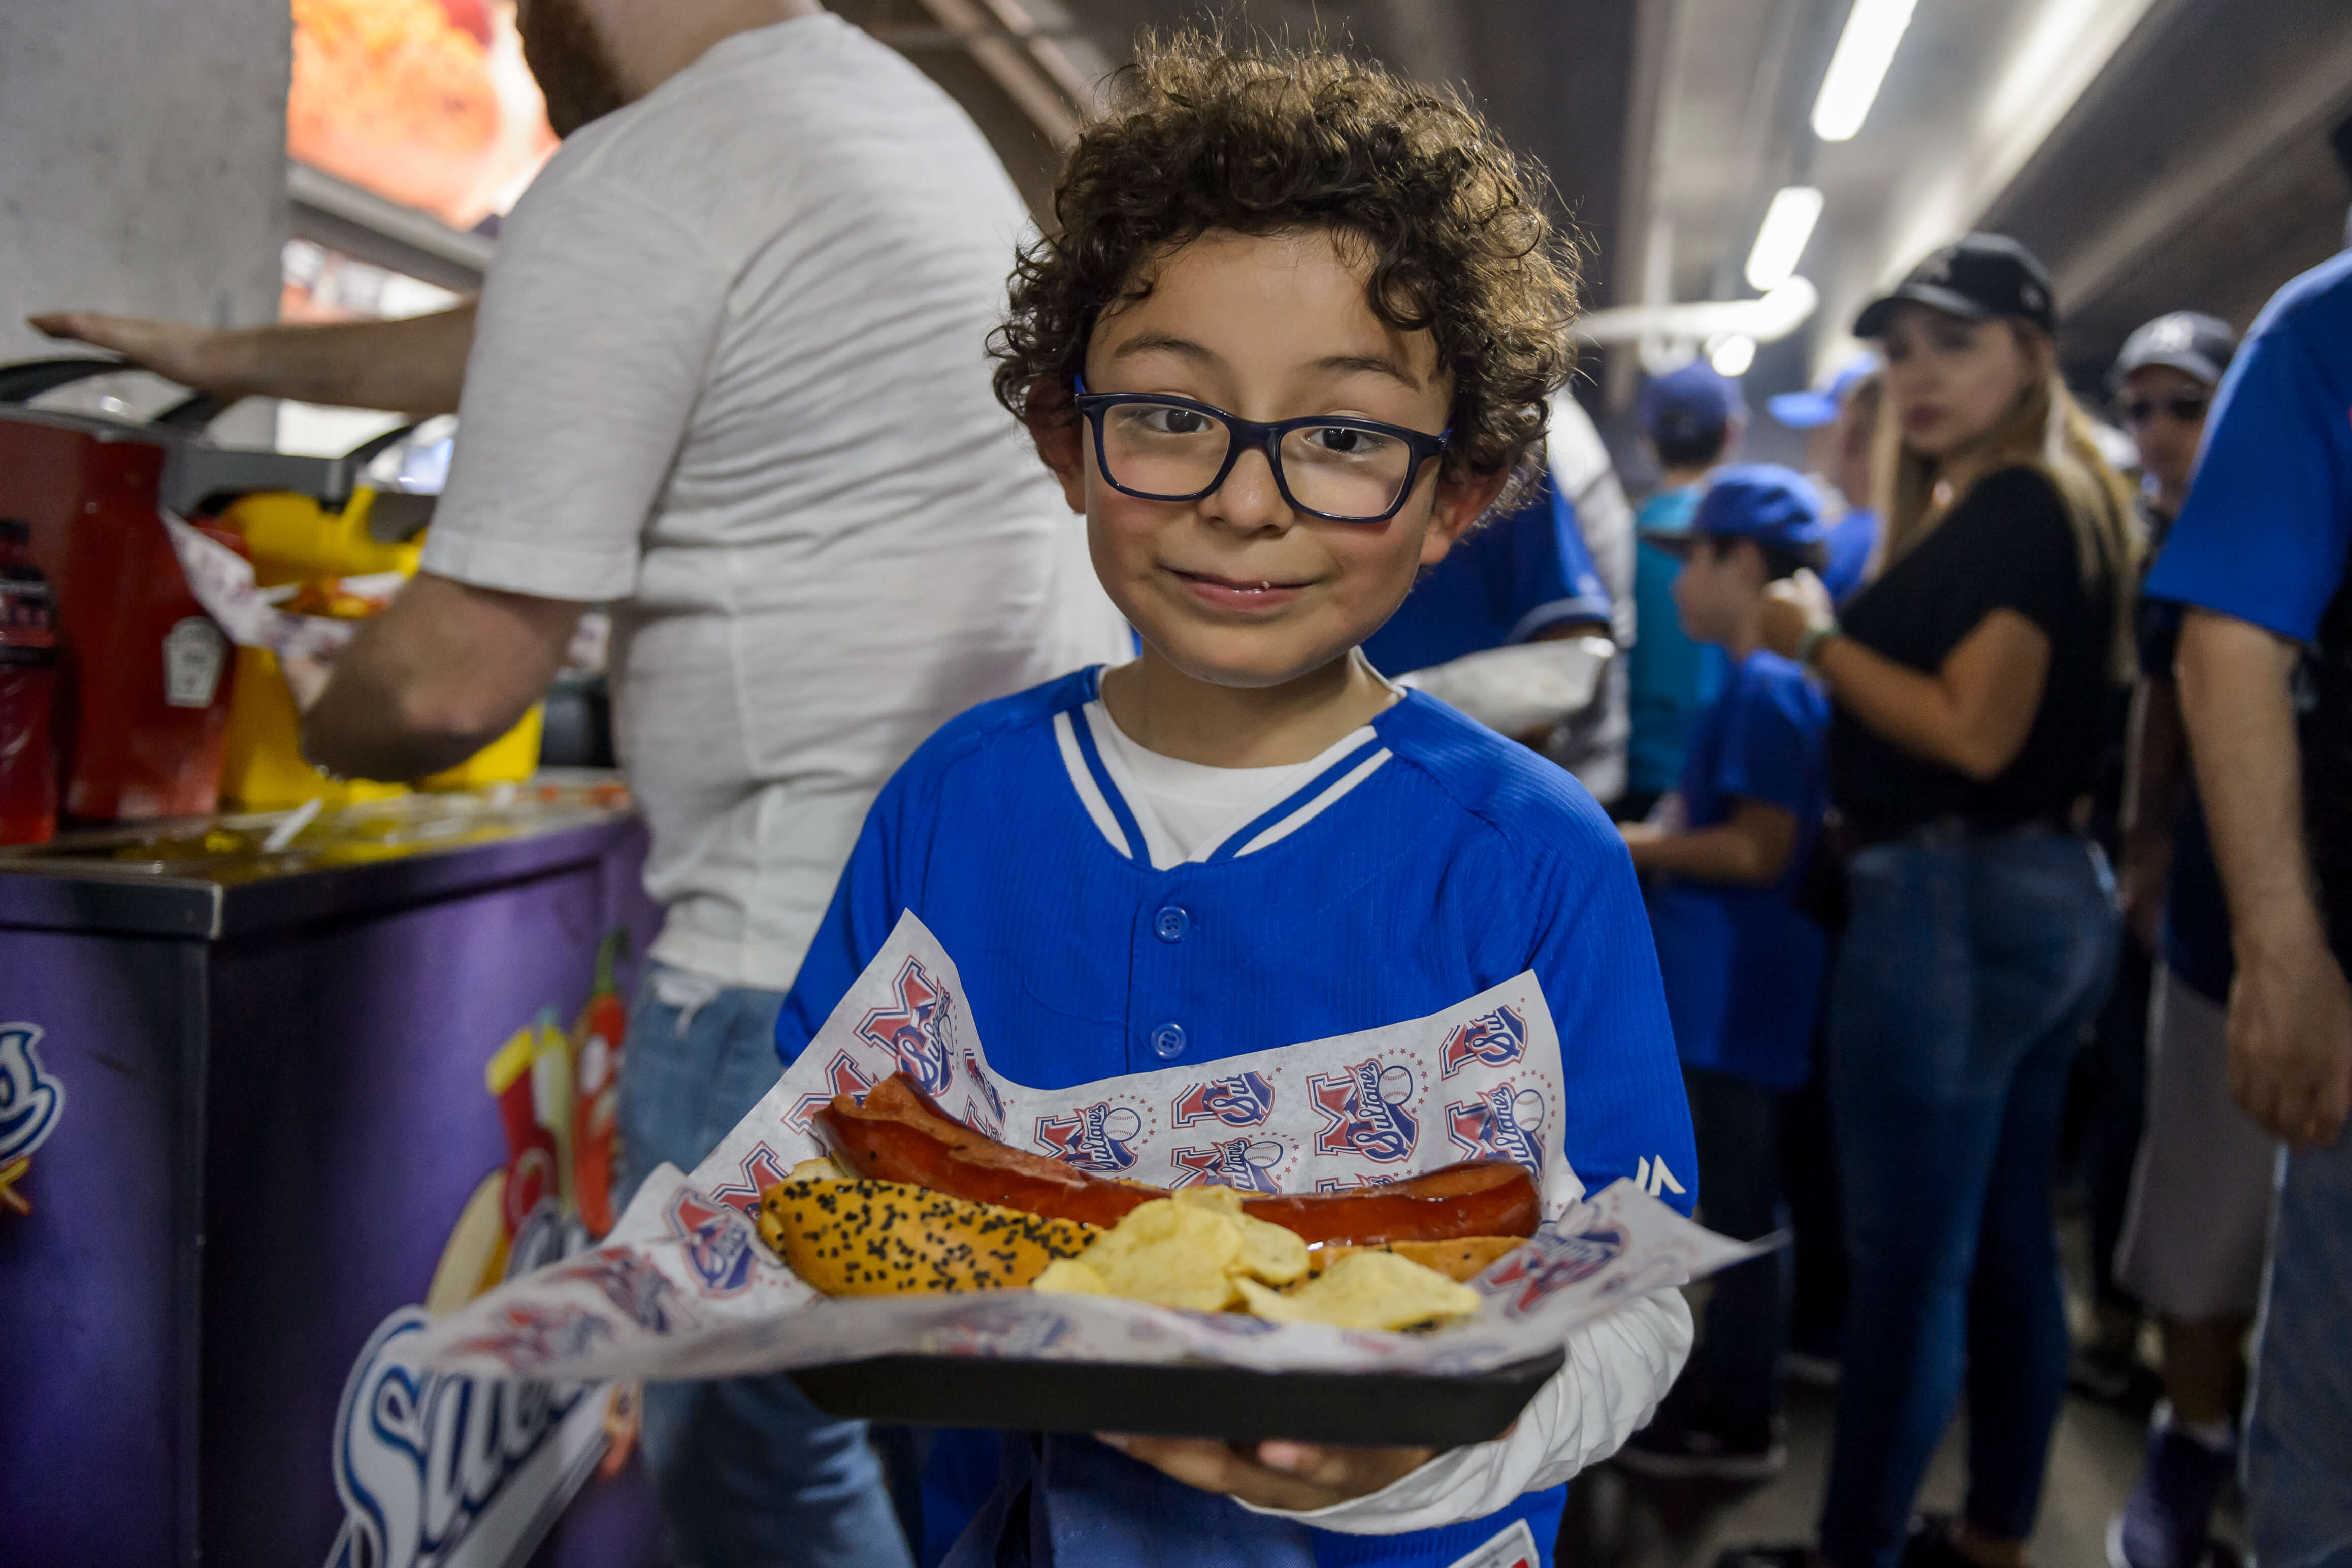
[
  {"x": 1171, "y": 924},
  {"x": 1167, "y": 1040}
]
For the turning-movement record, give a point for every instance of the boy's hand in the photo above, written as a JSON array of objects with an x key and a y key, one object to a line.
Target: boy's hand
[{"x": 1293, "y": 1477}]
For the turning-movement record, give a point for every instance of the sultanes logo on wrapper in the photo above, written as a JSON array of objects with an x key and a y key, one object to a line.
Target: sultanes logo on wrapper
[
  {"x": 761, "y": 1169},
  {"x": 1493, "y": 1039},
  {"x": 31, "y": 1101},
  {"x": 1098, "y": 1137},
  {"x": 642, "y": 1292},
  {"x": 1312, "y": 1116},
  {"x": 719, "y": 1244},
  {"x": 1551, "y": 1263},
  {"x": 842, "y": 1076},
  {"x": 1245, "y": 1100},
  {"x": 1245, "y": 1164},
  {"x": 1364, "y": 1112},
  {"x": 915, "y": 1028},
  {"x": 1500, "y": 1124}
]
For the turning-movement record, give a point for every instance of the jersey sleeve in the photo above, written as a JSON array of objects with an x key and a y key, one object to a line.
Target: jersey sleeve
[
  {"x": 2265, "y": 532},
  {"x": 1624, "y": 1110},
  {"x": 1552, "y": 577},
  {"x": 1770, "y": 747}
]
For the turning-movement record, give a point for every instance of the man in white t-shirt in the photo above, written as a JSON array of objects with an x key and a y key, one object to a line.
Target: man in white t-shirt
[{"x": 727, "y": 375}]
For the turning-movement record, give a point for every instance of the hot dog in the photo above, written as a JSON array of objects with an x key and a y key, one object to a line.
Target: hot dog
[{"x": 899, "y": 1135}]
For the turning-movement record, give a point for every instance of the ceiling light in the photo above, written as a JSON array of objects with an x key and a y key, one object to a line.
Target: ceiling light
[
  {"x": 1781, "y": 239},
  {"x": 1732, "y": 355},
  {"x": 1864, "y": 50}
]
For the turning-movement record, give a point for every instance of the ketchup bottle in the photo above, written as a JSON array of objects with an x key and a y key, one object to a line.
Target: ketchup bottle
[{"x": 28, "y": 679}]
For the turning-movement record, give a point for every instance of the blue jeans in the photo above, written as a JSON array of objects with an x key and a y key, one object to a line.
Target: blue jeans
[
  {"x": 748, "y": 1470},
  {"x": 2299, "y": 1431},
  {"x": 1968, "y": 968}
]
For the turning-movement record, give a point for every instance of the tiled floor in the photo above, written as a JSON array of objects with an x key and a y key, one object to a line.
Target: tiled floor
[{"x": 1618, "y": 1522}]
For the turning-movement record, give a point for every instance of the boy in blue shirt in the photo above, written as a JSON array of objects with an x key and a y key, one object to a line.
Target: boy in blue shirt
[
  {"x": 1692, "y": 418},
  {"x": 1291, "y": 340},
  {"x": 1742, "y": 963}
]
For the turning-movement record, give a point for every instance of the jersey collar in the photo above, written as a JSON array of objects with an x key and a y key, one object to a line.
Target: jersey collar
[{"x": 1121, "y": 812}]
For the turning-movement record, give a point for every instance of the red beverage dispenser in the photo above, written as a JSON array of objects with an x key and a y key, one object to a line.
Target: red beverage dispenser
[{"x": 141, "y": 714}]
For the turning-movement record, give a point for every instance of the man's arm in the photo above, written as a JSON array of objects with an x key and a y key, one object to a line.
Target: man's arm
[
  {"x": 442, "y": 673},
  {"x": 2156, "y": 769},
  {"x": 1752, "y": 849},
  {"x": 416, "y": 366},
  {"x": 2290, "y": 1011}
]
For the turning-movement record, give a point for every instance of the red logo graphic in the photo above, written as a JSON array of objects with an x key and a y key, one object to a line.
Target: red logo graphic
[
  {"x": 1364, "y": 1112},
  {"x": 1553, "y": 1262},
  {"x": 915, "y": 1028},
  {"x": 1495, "y": 1039},
  {"x": 1244, "y": 1162},
  {"x": 1243, "y": 1100},
  {"x": 842, "y": 1077}
]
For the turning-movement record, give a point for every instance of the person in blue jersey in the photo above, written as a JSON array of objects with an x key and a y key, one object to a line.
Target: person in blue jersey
[
  {"x": 1841, "y": 418},
  {"x": 1520, "y": 587},
  {"x": 1692, "y": 418},
  {"x": 2258, "y": 559},
  {"x": 1291, "y": 339},
  {"x": 1742, "y": 963}
]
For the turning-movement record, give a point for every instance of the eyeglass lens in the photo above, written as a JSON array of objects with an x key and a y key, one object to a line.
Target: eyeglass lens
[
  {"x": 1171, "y": 451},
  {"x": 2186, "y": 410}
]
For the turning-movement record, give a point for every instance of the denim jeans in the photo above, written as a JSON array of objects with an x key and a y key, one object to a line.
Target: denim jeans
[
  {"x": 749, "y": 1471},
  {"x": 2299, "y": 1431},
  {"x": 1968, "y": 968},
  {"x": 1733, "y": 1380}
]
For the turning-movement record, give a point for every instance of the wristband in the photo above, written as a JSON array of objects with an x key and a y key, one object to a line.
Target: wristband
[{"x": 1809, "y": 641}]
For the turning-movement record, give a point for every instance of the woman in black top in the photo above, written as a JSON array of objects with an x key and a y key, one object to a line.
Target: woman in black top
[{"x": 1969, "y": 681}]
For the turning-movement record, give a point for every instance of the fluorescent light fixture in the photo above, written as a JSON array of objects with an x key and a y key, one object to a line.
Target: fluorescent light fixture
[
  {"x": 1781, "y": 239},
  {"x": 1872, "y": 30},
  {"x": 1732, "y": 355}
]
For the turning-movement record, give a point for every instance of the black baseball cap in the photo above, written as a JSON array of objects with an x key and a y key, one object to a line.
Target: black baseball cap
[
  {"x": 1976, "y": 276},
  {"x": 2191, "y": 343}
]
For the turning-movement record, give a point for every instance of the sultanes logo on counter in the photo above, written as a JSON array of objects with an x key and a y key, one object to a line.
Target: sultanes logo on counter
[
  {"x": 31, "y": 1101},
  {"x": 447, "y": 1471}
]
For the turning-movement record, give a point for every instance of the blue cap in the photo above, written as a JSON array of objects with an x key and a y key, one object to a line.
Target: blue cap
[
  {"x": 1686, "y": 403},
  {"x": 1763, "y": 501},
  {"x": 1812, "y": 410}
]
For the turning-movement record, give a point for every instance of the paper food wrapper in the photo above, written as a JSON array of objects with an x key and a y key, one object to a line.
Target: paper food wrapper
[
  {"x": 222, "y": 581},
  {"x": 685, "y": 1288}
]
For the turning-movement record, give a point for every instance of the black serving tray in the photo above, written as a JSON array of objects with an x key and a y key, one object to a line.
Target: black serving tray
[{"x": 1181, "y": 1400}]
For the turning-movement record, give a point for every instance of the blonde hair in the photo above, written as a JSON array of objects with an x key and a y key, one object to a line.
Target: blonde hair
[{"x": 2047, "y": 431}]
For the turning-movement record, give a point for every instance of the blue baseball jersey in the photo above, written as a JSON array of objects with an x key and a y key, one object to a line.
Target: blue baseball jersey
[
  {"x": 2268, "y": 524},
  {"x": 1501, "y": 584},
  {"x": 1743, "y": 964},
  {"x": 1418, "y": 862}
]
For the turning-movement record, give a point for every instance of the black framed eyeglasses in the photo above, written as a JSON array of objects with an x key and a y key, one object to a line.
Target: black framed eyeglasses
[
  {"x": 2186, "y": 410},
  {"x": 1335, "y": 467}
]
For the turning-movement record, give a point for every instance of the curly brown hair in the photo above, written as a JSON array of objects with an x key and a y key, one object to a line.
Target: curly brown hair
[{"x": 1198, "y": 136}]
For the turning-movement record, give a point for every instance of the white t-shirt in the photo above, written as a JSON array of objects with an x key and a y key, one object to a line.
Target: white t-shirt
[
  {"x": 729, "y": 373},
  {"x": 1193, "y": 804}
]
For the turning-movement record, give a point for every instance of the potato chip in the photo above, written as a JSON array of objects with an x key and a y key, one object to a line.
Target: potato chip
[
  {"x": 1367, "y": 1291},
  {"x": 1071, "y": 1277},
  {"x": 1221, "y": 1199},
  {"x": 1269, "y": 1252},
  {"x": 1170, "y": 1254}
]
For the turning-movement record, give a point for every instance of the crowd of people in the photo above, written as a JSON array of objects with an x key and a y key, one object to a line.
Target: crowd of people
[{"x": 1294, "y": 347}]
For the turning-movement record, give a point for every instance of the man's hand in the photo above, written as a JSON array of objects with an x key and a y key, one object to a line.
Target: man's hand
[
  {"x": 193, "y": 356},
  {"x": 1295, "y": 1477},
  {"x": 2291, "y": 1040}
]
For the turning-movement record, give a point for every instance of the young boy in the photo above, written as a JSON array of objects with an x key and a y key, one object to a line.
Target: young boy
[
  {"x": 1692, "y": 419},
  {"x": 1742, "y": 963},
  {"x": 1292, "y": 339}
]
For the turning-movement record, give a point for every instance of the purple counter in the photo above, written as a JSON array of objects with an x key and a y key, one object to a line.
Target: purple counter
[{"x": 241, "y": 1115}]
